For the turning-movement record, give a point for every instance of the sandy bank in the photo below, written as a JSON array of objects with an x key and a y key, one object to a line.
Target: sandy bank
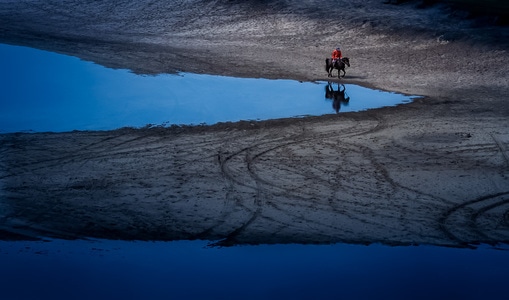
[{"x": 434, "y": 171}]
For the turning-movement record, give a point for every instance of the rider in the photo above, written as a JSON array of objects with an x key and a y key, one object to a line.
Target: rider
[{"x": 336, "y": 54}]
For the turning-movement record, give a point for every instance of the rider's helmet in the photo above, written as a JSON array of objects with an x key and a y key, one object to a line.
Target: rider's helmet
[{"x": 338, "y": 48}]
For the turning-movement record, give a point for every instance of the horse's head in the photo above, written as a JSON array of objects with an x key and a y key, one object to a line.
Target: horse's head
[{"x": 346, "y": 61}]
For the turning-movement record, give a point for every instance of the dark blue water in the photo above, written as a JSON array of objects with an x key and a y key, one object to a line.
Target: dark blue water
[
  {"x": 44, "y": 91},
  {"x": 191, "y": 270}
]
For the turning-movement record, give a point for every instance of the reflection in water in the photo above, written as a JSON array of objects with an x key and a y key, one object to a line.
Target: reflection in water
[
  {"x": 190, "y": 270},
  {"x": 44, "y": 91},
  {"x": 338, "y": 96}
]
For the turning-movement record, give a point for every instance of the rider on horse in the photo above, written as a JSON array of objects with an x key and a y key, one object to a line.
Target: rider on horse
[
  {"x": 337, "y": 62},
  {"x": 336, "y": 54}
]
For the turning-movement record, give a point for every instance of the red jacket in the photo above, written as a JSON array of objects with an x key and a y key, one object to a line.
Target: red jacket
[{"x": 336, "y": 54}]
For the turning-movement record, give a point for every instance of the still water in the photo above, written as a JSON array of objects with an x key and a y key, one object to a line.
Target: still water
[
  {"x": 44, "y": 91},
  {"x": 102, "y": 269}
]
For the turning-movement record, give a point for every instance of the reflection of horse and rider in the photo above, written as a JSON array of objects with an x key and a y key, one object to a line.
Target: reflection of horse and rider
[
  {"x": 338, "y": 96},
  {"x": 337, "y": 62}
]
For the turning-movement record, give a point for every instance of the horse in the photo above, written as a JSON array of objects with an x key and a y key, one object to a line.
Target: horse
[{"x": 339, "y": 64}]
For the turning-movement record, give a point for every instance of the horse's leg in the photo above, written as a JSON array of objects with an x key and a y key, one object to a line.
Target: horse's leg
[{"x": 328, "y": 67}]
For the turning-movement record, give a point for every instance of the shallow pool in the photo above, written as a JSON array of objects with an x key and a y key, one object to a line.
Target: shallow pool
[
  {"x": 102, "y": 269},
  {"x": 45, "y": 91}
]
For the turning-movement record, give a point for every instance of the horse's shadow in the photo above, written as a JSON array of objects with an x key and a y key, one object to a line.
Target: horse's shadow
[{"x": 338, "y": 97}]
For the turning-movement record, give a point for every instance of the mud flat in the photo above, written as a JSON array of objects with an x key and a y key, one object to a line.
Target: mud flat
[{"x": 431, "y": 172}]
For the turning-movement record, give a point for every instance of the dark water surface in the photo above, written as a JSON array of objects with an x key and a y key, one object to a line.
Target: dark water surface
[
  {"x": 104, "y": 269},
  {"x": 44, "y": 91}
]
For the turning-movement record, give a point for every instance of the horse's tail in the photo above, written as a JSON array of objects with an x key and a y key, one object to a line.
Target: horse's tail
[{"x": 327, "y": 63}]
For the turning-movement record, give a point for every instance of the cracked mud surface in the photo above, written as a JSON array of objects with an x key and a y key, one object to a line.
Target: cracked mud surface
[{"x": 431, "y": 172}]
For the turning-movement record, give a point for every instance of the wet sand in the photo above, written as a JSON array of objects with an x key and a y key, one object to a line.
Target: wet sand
[{"x": 431, "y": 172}]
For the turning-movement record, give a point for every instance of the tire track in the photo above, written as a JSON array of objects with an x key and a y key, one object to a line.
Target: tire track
[
  {"x": 460, "y": 224},
  {"x": 268, "y": 187},
  {"x": 502, "y": 149}
]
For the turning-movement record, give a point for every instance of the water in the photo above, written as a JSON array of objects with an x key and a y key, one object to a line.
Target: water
[
  {"x": 44, "y": 91},
  {"x": 104, "y": 269}
]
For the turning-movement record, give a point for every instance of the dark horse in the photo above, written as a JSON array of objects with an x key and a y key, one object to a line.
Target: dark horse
[{"x": 340, "y": 65}]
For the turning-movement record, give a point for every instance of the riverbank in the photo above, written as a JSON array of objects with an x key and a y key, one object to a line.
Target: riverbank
[{"x": 431, "y": 172}]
